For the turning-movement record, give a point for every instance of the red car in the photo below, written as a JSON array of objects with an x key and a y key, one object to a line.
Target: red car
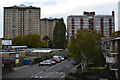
[{"x": 56, "y": 60}]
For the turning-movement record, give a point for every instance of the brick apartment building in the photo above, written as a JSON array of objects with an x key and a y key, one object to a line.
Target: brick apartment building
[
  {"x": 21, "y": 20},
  {"x": 104, "y": 24}
]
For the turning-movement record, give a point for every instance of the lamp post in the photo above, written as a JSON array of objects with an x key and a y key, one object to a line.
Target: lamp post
[
  {"x": 47, "y": 43},
  {"x": 47, "y": 46}
]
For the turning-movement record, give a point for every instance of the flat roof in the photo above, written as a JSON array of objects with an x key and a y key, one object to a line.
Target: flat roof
[
  {"x": 22, "y": 6},
  {"x": 42, "y": 51},
  {"x": 9, "y": 52},
  {"x": 18, "y": 46},
  {"x": 117, "y": 38},
  {"x": 7, "y": 58}
]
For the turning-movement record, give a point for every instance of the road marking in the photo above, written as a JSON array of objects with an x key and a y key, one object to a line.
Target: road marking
[
  {"x": 68, "y": 66},
  {"x": 61, "y": 73},
  {"x": 77, "y": 66},
  {"x": 59, "y": 68},
  {"x": 48, "y": 68},
  {"x": 48, "y": 75},
  {"x": 36, "y": 74},
  {"x": 56, "y": 65},
  {"x": 63, "y": 76},
  {"x": 41, "y": 76}
]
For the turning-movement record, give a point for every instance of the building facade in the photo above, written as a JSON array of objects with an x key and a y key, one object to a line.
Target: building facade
[
  {"x": 47, "y": 27},
  {"x": 21, "y": 20},
  {"x": 110, "y": 49},
  {"x": 104, "y": 24},
  {"x": 119, "y": 15}
]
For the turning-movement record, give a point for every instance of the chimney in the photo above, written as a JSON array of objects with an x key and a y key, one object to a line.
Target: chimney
[{"x": 113, "y": 13}]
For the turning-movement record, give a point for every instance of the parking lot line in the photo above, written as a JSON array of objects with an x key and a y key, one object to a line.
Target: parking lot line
[{"x": 56, "y": 65}]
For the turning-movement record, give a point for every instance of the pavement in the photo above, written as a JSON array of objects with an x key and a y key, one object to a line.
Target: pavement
[
  {"x": 24, "y": 71},
  {"x": 21, "y": 67}
]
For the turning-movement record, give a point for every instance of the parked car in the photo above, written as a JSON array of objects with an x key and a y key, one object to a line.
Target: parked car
[
  {"x": 45, "y": 63},
  {"x": 56, "y": 60},
  {"x": 60, "y": 57},
  {"x": 75, "y": 62},
  {"x": 53, "y": 62}
]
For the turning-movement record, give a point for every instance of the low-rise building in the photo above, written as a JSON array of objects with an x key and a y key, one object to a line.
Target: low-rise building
[
  {"x": 7, "y": 65},
  {"x": 110, "y": 52}
]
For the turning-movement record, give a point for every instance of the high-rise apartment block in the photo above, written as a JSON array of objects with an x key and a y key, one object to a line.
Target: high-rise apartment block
[
  {"x": 104, "y": 24},
  {"x": 47, "y": 27},
  {"x": 21, "y": 20}
]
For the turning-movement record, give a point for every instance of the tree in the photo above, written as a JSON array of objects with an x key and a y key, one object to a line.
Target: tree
[
  {"x": 59, "y": 34},
  {"x": 46, "y": 38},
  {"x": 84, "y": 47},
  {"x": 115, "y": 34},
  {"x": 30, "y": 40},
  {"x": 48, "y": 41}
]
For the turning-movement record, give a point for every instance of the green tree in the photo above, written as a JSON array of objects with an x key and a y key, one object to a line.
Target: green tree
[
  {"x": 59, "y": 35},
  {"x": 84, "y": 47},
  {"x": 30, "y": 40},
  {"x": 46, "y": 38},
  {"x": 19, "y": 40},
  {"x": 48, "y": 41},
  {"x": 115, "y": 34}
]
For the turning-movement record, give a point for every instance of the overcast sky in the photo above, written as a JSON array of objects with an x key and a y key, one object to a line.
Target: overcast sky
[{"x": 64, "y": 8}]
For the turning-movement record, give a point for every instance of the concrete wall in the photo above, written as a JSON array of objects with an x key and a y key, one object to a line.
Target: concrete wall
[
  {"x": 37, "y": 54},
  {"x": 7, "y": 54},
  {"x": 7, "y": 67}
]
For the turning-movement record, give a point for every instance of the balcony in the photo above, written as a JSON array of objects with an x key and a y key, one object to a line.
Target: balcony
[
  {"x": 110, "y": 60},
  {"x": 113, "y": 67},
  {"x": 113, "y": 52}
]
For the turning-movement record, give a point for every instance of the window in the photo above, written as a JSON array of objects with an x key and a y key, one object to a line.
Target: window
[{"x": 13, "y": 33}]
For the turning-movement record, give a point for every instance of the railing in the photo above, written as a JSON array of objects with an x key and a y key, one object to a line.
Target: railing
[
  {"x": 113, "y": 67},
  {"x": 114, "y": 52},
  {"x": 110, "y": 60}
]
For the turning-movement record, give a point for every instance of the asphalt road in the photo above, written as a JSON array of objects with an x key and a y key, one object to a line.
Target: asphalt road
[
  {"x": 25, "y": 72},
  {"x": 56, "y": 71}
]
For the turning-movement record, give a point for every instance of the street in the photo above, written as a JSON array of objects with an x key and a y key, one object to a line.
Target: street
[{"x": 56, "y": 71}]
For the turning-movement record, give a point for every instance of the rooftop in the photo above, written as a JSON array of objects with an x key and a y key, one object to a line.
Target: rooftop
[
  {"x": 88, "y": 16},
  {"x": 42, "y": 51},
  {"x": 51, "y": 18},
  {"x": 21, "y": 6}
]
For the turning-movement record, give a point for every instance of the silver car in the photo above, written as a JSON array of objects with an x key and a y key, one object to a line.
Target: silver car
[{"x": 45, "y": 63}]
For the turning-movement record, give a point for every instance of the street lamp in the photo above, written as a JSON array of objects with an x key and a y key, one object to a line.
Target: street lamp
[{"x": 47, "y": 42}]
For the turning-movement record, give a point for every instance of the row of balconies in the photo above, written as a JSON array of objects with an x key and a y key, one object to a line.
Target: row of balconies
[
  {"x": 110, "y": 54},
  {"x": 112, "y": 60}
]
